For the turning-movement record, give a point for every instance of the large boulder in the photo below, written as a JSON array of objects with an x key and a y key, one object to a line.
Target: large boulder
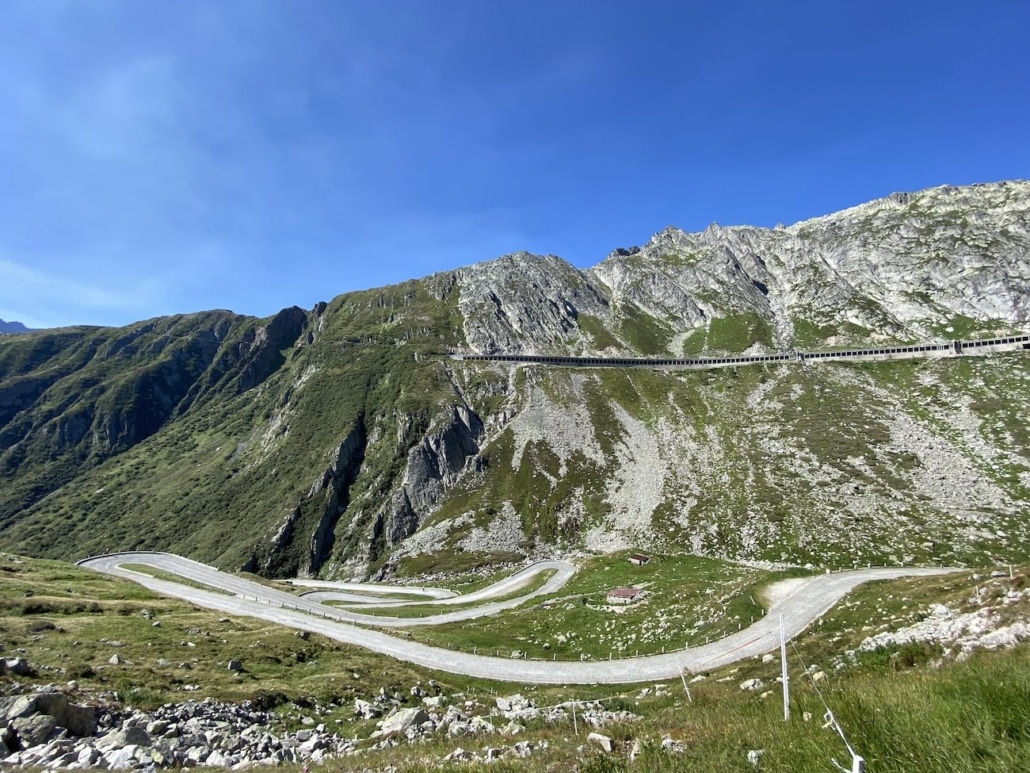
[
  {"x": 402, "y": 720},
  {"x": 33, "y": 730},
  {"x": 77, "y": 720}
]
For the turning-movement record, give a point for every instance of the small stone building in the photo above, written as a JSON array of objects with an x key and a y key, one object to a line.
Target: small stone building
[
  {"x": 639, "y": 559},
  {"x": 624, "y": 595}
]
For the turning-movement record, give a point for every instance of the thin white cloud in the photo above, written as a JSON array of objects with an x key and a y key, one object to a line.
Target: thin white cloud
[{"x": 46, "y": 299}]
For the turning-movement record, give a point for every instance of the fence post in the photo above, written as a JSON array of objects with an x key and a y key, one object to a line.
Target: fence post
[{"x": 786, "y": 676}]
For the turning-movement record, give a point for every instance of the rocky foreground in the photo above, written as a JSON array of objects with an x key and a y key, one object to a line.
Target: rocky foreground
[{"x": 45, "y": 728}]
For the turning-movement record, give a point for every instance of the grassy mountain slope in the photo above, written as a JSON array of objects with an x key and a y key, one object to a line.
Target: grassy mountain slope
[{"x": 343, "y": 441}]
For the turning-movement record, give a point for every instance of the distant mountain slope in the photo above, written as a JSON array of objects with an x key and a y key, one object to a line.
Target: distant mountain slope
[
  {"x": 342, "y": 441},
  {"x": 12, "y": 327}
]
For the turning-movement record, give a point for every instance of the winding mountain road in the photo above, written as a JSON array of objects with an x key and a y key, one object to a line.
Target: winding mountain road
[
  {"x": 808, "y": 601},
  {"x": 371, "y": 593}
]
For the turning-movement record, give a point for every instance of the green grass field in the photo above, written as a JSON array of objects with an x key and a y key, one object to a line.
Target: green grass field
[
  {"x": 899, "y": 708},
  {"x": 688, "y": 600}
]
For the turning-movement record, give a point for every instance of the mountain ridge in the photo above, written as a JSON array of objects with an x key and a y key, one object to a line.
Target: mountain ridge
[
  {"x": 13, "y": 327},
  {"x": 340, "y": 441}
]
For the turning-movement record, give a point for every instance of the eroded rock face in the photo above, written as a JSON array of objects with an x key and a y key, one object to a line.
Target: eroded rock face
[
  {"x": 261, "y": 351},
  {"x": 525, "y": 303},
  {"x": 434, "y": 466}
]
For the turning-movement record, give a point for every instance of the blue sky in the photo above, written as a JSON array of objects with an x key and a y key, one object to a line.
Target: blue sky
[{"x": 165, "y": 157}]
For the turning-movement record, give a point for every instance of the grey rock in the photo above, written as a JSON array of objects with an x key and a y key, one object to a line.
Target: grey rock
[
  {"x": 20, "y": 706},
  {"x": 402, "y": 720},
  {"x": 121, "y": 758},
  {"x": 601, "y": 740},
  {"x": 458, "y": 755},
  {"x": 480, "y": 726},
  {"x": 133, "y": 735},
  {"x": 87, "y": 756},
  {"x": 672, "y": 746},
  {"x": 366, "y": 710},
  {"x": 33, "y": 730},
  {"x": 457, "y": 727},
  {"x": 434, "y": 466},
  {"x": 217, "y": 759},
  {"x": 78, "y": 720},
  {"x": 512, "y": 728},
  {"x": 198, "y": 753}
]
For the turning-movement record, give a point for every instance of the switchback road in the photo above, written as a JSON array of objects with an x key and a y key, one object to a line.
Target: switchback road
[{"x": 238, "y": 596}]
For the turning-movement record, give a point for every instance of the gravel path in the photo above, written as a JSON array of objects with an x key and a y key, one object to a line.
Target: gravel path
[{"x": 799, "y": 608}]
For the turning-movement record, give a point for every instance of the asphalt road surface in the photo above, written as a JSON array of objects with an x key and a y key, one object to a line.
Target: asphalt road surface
[
  {"x": 371, "y": 593},
  {"x": 242, "y": 597}
]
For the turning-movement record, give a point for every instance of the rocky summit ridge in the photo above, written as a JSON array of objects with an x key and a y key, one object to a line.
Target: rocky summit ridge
[
  {"x": 895, "y": 265},
  {"x": 343, "y": 441}
]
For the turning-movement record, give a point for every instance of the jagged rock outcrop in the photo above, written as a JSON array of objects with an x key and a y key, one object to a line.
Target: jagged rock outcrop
[
  {"x": 304, "y": 540},
  {"x": 335, "y": 481},
  {"x": 894, "y": 265},
  {"x": 525, "y": 303},
  {"x": 261, "y": 349},
  {"x": 433, "y": 467}
]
